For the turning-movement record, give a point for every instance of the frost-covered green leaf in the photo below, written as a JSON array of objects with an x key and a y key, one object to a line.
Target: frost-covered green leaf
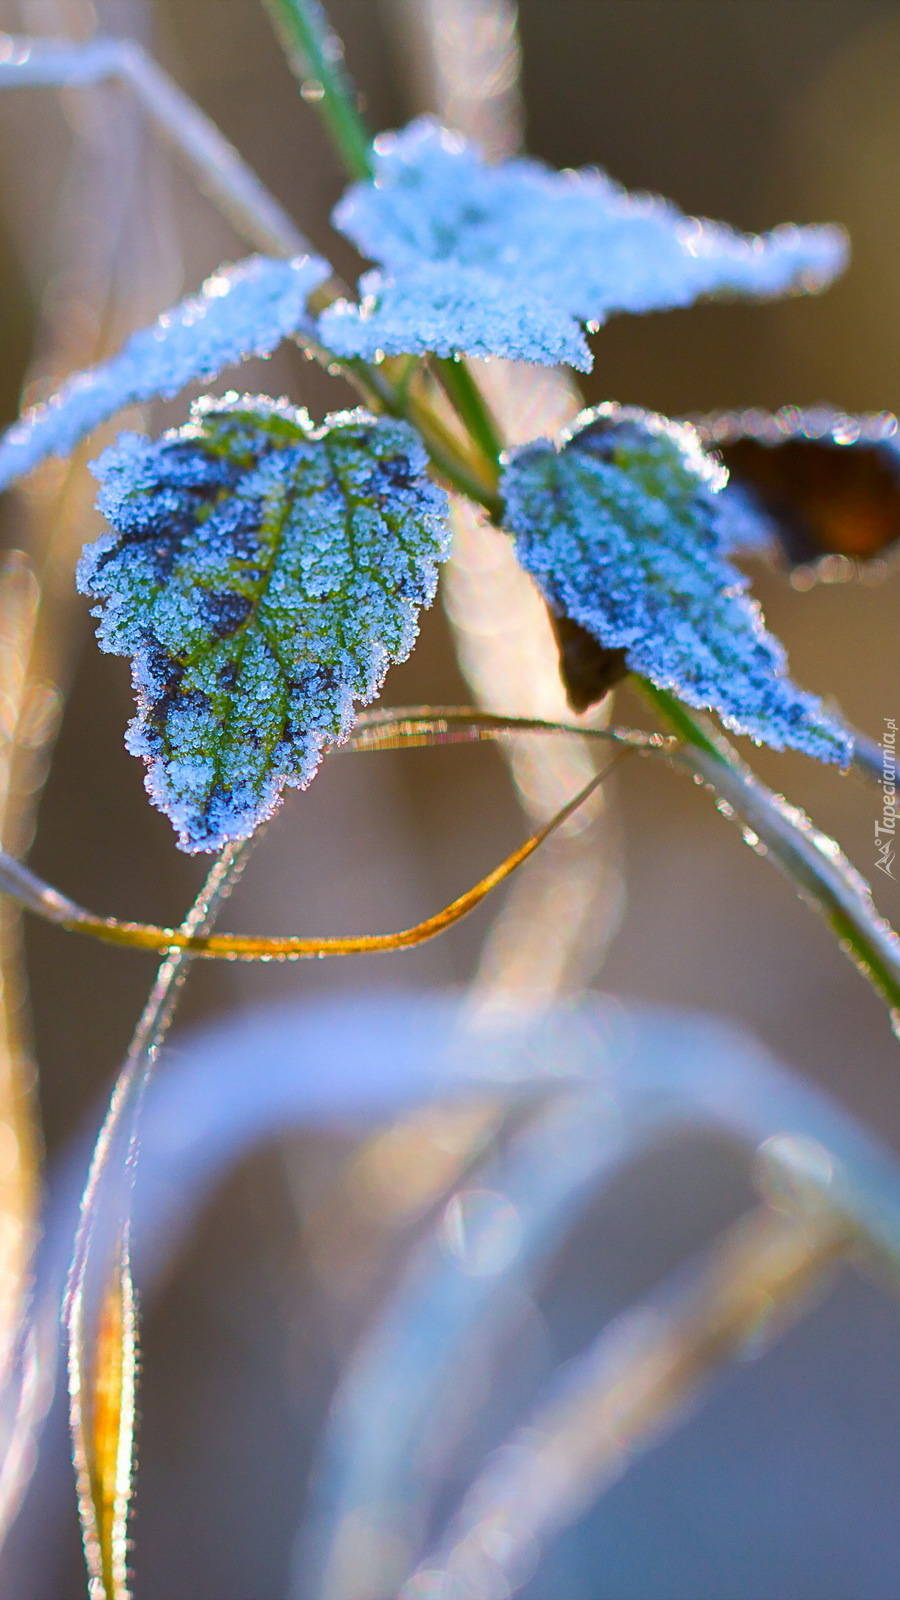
[
  {"x": 620, "y": 526},
  {"x": 241, "y": 311},
  {"x": 573, "y": 241},
  {"x": 262, "y": 574}
]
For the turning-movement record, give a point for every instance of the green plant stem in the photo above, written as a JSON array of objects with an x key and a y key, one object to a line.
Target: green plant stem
[
  {"x": 679, "y": 719},
  {"x": 472, "y": 478},
  {"x": 315, "y": 54},
  {"x": 817, "y": 869},
  {"x": 315, "y": 51},
  {"x": 472, "y": 409}
]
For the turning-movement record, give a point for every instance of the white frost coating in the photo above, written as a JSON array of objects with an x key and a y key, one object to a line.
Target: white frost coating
[
  {"x": 575, "y": 241},
  {"x": 620, "y": 528},
  {"x": 241, "y": 311}
]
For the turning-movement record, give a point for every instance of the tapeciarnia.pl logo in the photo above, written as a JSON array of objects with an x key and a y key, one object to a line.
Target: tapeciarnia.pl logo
[{"x": 886, "y": 828}]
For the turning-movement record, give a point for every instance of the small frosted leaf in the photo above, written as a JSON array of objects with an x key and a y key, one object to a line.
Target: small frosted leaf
[
  {"x": 819, "y": 487},
  {"x": 620, "y": 528},
  {"x": 449, "y": 310},
  {"x": 575, "y": 241},
  {"x": 241, "y": 311},
  {"x": 263, "y": 575}
]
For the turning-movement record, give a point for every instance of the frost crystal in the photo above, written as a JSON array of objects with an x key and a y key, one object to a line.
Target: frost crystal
[
  {"x": 573, "y": 241},
  {"x": 620, "y": 527},
  {"x": 263, "y": 575},
  {"x": 241, "y": 311}
]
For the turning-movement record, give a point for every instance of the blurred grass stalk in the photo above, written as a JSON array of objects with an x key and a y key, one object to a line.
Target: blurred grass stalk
[
  {"x": 104, "y": 279},
  {"x": 625, "y": 1392}
]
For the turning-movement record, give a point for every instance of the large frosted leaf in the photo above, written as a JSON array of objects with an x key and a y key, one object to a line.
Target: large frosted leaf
[
  {"x": 263, "y": 575},
  {"x": 574, "y": 241},
  {"x": 620, "y": 527},
  {"x": 244, "y": 310}
]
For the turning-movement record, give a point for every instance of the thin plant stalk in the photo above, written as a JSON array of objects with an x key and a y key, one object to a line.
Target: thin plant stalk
[
  {"x": 100, "y": 1311},
  {"x": 316, "y": 56}
]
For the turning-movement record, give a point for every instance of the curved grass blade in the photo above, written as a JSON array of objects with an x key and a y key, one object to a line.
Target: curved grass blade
[
  {"x": 100, "y": 1310},
  {"x": 811, "y": 861},
  {"x": 327, "y": 1062},
  {"x": 247, "y": 947}
]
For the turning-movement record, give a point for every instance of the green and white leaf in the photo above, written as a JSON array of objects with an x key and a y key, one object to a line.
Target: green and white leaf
[
  {"x": 621, "y": 526},
  {"x": 262, "y": 574}
]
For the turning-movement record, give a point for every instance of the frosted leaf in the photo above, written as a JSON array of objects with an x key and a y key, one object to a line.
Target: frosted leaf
[
  {"x": 447, "y": 310},
  {"x": 262, "y": 574},
  {"x": 819, "y": 487},
  {"x": 620, "y": 527},
  {"x": 241, "y": 311},
  {"x": 572, "y": 240}
]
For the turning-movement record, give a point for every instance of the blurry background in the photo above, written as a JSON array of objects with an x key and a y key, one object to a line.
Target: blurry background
[{"x": 782, "y": 1488}]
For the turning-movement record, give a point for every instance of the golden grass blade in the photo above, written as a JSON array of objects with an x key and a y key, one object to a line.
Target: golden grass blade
[
  {"x": 103, "y": 1444},
  {"x": 40, "y": 897},
  {"x": 20, "y": 1169},
  {"x": 100, "y": 1311}
]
